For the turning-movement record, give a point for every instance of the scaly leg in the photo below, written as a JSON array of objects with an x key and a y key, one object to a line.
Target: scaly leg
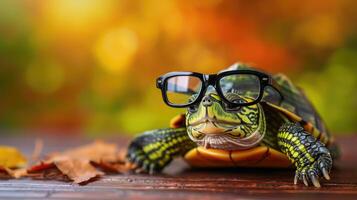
[
  {"x": 312, "y": 159},
  {"x": 154, "y": 150}
]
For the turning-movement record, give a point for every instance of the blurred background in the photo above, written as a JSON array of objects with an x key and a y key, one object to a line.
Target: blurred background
[{"x": 89, "y": 66}]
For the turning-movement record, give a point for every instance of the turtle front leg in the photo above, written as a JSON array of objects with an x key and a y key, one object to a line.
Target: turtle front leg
[
  {"x": 311, "y": 158},
  {"x": 154, "y": 150}
]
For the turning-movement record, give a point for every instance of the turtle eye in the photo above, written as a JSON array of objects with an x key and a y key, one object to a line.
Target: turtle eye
[
  {"x": 234, "y": 98},
  {"x": 238, "y": 101},
  {"x": 232, "y": 108},
  {"x": 192, "y": 108}
]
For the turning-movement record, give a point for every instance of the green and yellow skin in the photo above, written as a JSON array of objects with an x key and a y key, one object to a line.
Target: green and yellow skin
[
  {"x": 154, "y": 150},
  {"x": 261, "y": 135}
]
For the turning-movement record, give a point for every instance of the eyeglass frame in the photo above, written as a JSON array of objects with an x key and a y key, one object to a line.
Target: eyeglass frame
[{"x": 214, "y": 80}]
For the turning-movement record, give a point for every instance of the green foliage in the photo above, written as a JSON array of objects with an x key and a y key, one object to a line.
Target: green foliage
[{"x": 333, "y": 90}]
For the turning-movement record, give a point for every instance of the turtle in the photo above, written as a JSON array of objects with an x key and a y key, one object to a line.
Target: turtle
[{"x": 280, "y": 129}]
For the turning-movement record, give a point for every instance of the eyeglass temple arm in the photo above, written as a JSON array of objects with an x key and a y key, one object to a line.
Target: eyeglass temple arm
[
  {"x": 277, "y": 87},
  {"x": 159, "y": 82}
]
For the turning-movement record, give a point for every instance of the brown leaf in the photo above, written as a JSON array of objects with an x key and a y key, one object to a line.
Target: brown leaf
[
  {"x": 7, "y": 173},
  {"x": 78, "y": 170},
  {"x": 4, "y": 173},
  {"x": 115, "y": 167},
  {"x": 51, "y": 174},
  {"x": 48, "y": 171},
  {"x": 79, "y": 164}
]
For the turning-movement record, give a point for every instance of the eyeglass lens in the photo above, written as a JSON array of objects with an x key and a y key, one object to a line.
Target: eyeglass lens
[
  {"x": 181, "y": 90},
  {"x": 240, "y": 88}
]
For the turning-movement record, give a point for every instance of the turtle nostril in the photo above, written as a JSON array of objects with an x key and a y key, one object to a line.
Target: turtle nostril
[{"x": 207, "y": 101}]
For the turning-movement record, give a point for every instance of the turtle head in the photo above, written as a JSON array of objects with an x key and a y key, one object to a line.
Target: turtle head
[{"x": 213, "y": 124}]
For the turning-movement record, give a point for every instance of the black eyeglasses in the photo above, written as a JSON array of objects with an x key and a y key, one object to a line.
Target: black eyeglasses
[{"x": 236, "y": 87}]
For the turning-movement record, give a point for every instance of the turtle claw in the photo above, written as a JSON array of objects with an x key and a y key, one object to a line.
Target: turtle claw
[
  {"x": 144, "y": 165},
  {"x": 296, "y": 177},
  {"x": 304, "y": 180},
  {"x": 315, "y": 181},
  {"x": 152, "y": 169},
  {"x": 311, "y": 173},
  {"x": 325, "y": 173}
]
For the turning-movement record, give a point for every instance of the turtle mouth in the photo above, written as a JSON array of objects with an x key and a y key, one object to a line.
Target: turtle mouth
[
  {"x": 215, "y": 122},
  {"x": 213, "y": 127}
]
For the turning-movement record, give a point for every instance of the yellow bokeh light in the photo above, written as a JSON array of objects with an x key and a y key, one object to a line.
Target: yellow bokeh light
[
  {"x": 116, "y": 49},
  {"x": 77, "y": 15}
]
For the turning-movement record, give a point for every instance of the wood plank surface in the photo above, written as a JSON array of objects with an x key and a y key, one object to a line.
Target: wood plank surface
[{"x": 179, "y": 181}]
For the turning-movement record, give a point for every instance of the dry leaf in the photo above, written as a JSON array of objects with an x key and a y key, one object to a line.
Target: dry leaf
[
  {"x": 17, "y": 173},
  {"x": 79, "y": 164},
  {"x": 115, "y": 167},
  {"x": 11, "y": 163},
  {"x": 5, "y": 173},
  {"x": 78, "y": 170},
  {"x": 47, "y": 171}
]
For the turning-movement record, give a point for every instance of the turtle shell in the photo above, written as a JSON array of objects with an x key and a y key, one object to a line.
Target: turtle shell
[{"x": 293, "y": 103}]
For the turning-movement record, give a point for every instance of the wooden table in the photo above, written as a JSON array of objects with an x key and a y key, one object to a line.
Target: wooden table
[{"x": 181, "y": 182}]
